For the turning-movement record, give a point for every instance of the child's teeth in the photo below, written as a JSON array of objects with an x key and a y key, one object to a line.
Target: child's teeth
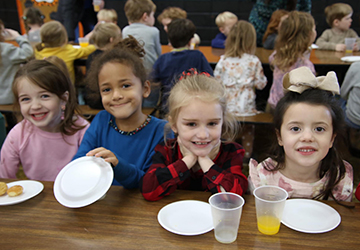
[
  {"x": 306, "y": 150},
  {"x": 200, "y": 143}
]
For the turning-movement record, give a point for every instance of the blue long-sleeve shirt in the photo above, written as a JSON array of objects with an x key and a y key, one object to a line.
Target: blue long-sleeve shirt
[{"x": 134, "y": 152}]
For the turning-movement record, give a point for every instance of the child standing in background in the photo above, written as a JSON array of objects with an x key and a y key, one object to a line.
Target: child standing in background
[
  {"x": 225, "y": 21},
  {"x": 140, "y": 15},
  {"x": 240, "y": 70},
  {"x": 272, "y": 29},
  {"x": 197, "y": 159},
  {"x": 338, "y": 16},
  {"x": 122, "y": 134},
  {"x": 33, "y": 20},
  {"x": 54, "y": 43},
  {"x": 172, "y": 13},
  {"x": 49, "y": 135},
  {"x": 306, "y": 159},
  {"x": 170, "y": 65},
  {"x": 296, "y": 34}
]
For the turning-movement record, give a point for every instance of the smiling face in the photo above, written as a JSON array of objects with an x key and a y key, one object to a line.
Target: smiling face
[
  {"x": 199, "y": 126},
  {"x": 306, "y": 135},
  {"x": 122, "y": 93},
  {"x": 39, "y": 106}
]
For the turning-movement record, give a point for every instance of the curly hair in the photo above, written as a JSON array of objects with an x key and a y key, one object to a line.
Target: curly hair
[{"x": 172, "y": 13}]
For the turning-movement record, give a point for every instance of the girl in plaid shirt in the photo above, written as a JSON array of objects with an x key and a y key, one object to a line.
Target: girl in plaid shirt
[{"x": 197, "y": 159}]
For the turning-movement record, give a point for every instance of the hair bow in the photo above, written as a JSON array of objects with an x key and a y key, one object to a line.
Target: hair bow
[
  {"x": 191, "y": 72},
  {"x": 302, "y": 78}
]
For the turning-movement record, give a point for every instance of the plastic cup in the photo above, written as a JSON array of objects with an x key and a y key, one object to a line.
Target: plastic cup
[
  {"x": 84, "y": 42},
  {"x": 349, "y": 42},
  {"x": 226, "y": 211},
  {"x": 96, "y": 4},
  {"x": 270, "y": 203}
]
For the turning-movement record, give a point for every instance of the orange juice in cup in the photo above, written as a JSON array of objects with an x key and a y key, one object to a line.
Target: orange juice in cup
[
  {"x": 96, "y": 4},
  {"x": 84, "y": 42},
  {"x": 268, "y": 224}
]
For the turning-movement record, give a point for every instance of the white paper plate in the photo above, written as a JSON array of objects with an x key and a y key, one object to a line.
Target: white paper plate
[
  {"x": 350, "y": 58},
  {"x": 31, "y": 189},
  {"x": 187, "y": 217},
  {"x": 314, "y": 46},
  {"x": 310, "y": 216},
  {"x": 77, "y": 46},
  {"x": 83, "y": 181}
]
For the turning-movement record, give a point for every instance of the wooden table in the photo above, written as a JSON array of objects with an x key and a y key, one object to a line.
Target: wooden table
[{"x": 124, "y": 220}]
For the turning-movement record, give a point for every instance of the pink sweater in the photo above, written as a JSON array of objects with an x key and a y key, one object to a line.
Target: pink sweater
[{"x": 42, "y": 154}]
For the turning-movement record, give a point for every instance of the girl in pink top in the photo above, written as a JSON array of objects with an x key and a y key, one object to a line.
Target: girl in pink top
[
  {"x": 306, "y": 159},
  {"x": 50, "y": 133},
  {"x": 296, "y": 34}
]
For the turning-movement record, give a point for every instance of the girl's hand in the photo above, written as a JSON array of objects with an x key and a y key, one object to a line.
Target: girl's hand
[
  {"x": 206, "y": 162},
  {"x": 104, "y": 153},
  {"x": 340, "y": 47},
  {"x": 11, "y": 34},
  {"x": 188, "y": 157}
]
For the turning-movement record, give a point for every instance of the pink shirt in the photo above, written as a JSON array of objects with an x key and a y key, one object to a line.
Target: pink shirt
[
  {"x": 41, "y": 154},
  {"x": 259, "y": 176},
  {"x": 277, "y": 91}
]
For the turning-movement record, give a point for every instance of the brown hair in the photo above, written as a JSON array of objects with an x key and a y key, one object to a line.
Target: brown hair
[
  {"x": 103, "y": 32},
  {"x": 128, "y": 52},
  {"x": 241, "y": 39},
  {"x": 135, "y": 9},
  {"x": 337, "y": 11},
  {"x": 53, "y": 34},
  {"x": 180, "y": 32},
  {"x": 33, "y": 15},
  {"x": 294, "y": 38},
  {"x": 51, "y": 78},
  {"x": 172, "y": 13},
  {"x": 58, "y": 62},
  {"x": 207, "y": 89},
  {"x": 274, "y": 23}
]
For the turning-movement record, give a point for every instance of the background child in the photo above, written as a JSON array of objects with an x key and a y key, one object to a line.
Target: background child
[
  {"x": 33, "y": 20},
  {"x": 122, "y": 134},
  {"x": 272, "y": 29},
  {"x": 54, "y": 43},
  {"x": 338, "y": 16},
  {"x": 296, "y": 34},
  {"x": 170, "y": 65},
  {"x": 225, "y": 21},
  {"x": 306, "y": 160},
  {"x": 51, "y": 132},
  {"x": 140, "y": 15},
  {"x": 105, "y": 16},
  {"x": 197, "y": 159},
  {"x": 172, "y": 13}
]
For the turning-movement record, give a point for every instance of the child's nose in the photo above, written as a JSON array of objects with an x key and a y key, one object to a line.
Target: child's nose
[
  {"x": 203, "y": 133},
  {"x": 307, "y": 135},
  {"x": 117, "y": 94},
  {"x": 36, "y": 104}
]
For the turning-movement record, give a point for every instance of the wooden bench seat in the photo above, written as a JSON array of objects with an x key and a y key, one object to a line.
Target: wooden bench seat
[{"x": 262, "y": 118}]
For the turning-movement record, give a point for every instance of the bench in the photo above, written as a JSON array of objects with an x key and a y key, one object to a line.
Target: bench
[{"x": 261, "y": 118}]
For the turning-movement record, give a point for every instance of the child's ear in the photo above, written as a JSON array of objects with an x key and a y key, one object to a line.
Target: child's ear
[
  {"x": 144, "y": 16},
  {"x": 278, "y": 136},
  {"x": 332, "y": 141},
  {"x": 336, "y": 22},
  {"x": 65, "y": 96},
  {"x": 173, "y": 126},
  {"x": 146, "y": 89},
  {"x": 222, "y": 29}
]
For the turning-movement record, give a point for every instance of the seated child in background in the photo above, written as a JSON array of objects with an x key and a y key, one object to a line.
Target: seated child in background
[
  {"x": 241, "y": 72},
  {"x": 169, "y": 65},
  {"x": 54, "y": 43},
  {"x": 33, "y": 20},
  {"x": 49, "y": 135},
  {"x": 171, "y": 13},
  {"x": 291, "y": 51},
  {"x": 197, "y": 159},
  {"x": 103, "y": 37},
  {"x": 104, "y": 16},
  {"x": 225, "y": 21},
  {"x": 140, "y": 15},
  {"x": 122, "y": 134},
  {"x": 272, "y": 29},
  {"x": 338, "y": 16},
  {"x": 305, "y": 159}
]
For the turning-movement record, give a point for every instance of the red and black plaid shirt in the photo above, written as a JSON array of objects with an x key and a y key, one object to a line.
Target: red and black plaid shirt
[{"x": 168, "y": 172}]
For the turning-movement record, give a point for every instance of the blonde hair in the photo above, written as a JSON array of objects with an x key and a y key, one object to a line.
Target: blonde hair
[
  {"x": 135, "y": 9},
  {"x": 241, "y": 39},
  {"x": 274, "y": 23},
  {"x": 53, "y": 34},
  {"x": 207, "y": 89},
  {"x": 109, "y": 15},
  {"x": 337, "y": 11},
  {"x": 172, "y": 13},
  {"x": 222, "y": 17},
  {"x": 294, "y": 38},
  {"x": 103, "y": 32}
]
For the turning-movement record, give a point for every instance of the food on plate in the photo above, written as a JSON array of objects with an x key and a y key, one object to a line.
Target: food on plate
[
  {"x": 3, "y": 188},
  {"x": 15, "y": 190}
]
